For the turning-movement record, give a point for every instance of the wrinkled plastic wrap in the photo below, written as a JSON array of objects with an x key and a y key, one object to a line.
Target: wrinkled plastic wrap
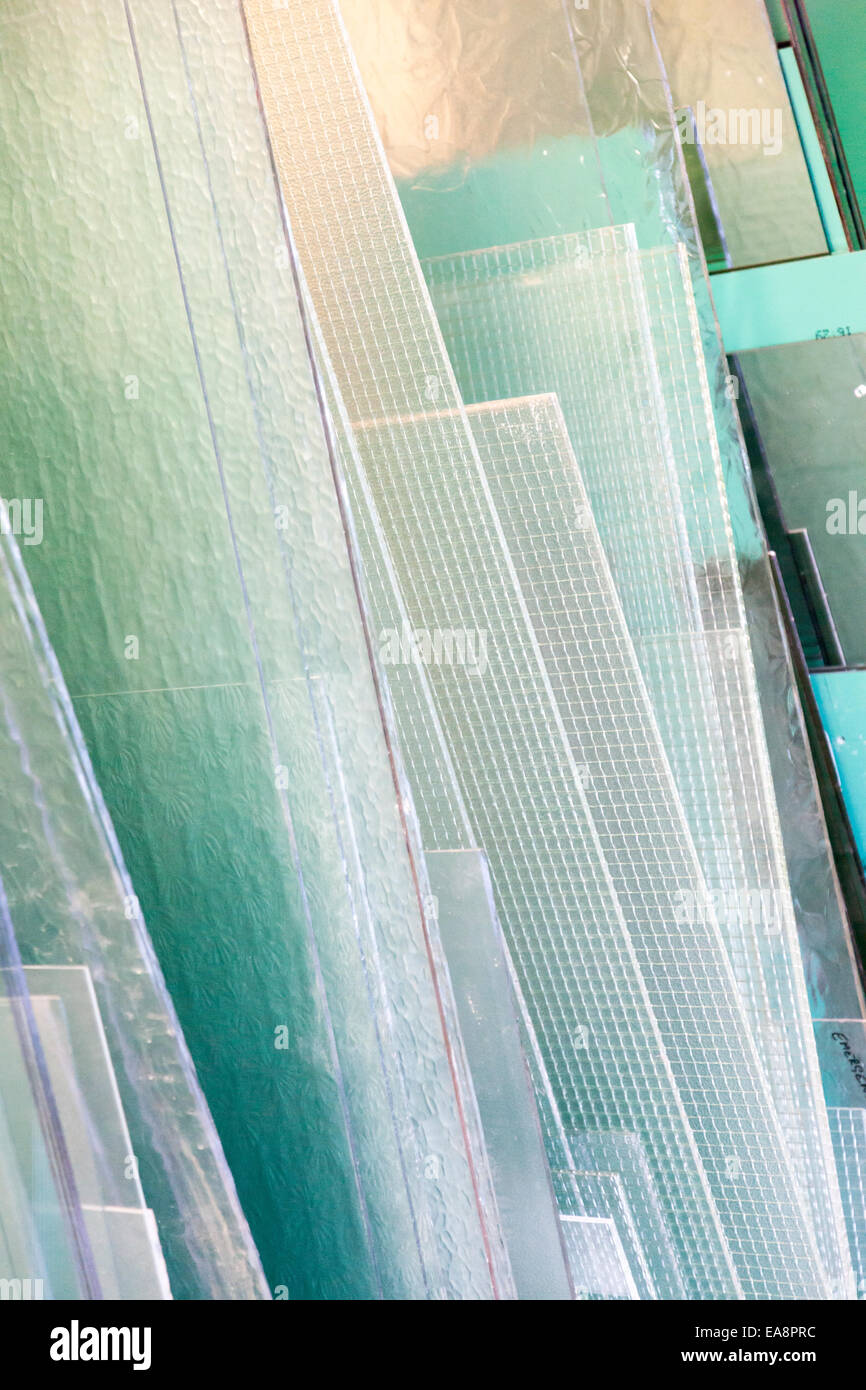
[
  {"x": 721, "y": 61},
  {"x": 476, "y": 100},
  {"x": 197, "y": 578},
  {"x": 137, "y": 1172}
]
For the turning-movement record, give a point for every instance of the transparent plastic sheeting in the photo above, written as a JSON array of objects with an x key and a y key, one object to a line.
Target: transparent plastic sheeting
[
  {"x": 473, "y": 99},
  {"x": 135, "y": 1164},
  {"x": 722, "y": 62},
  {"x": 809, "y": 404},
  {"x": 574, "y": 127},
  {"x": 614, "y": 333},
  {"x": 196, "y": 576}
]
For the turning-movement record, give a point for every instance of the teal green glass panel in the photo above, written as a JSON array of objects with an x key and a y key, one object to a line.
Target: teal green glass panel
[
  {"x": 197, "y": 579},
  {"x": 841, "y": 697},
  {"x": 834, "y": 229},
  {"x": 125, "y": 1113},
  {"x": 822, "y": 297},
  {"x": 809, "y": 404},
  {"x": 839, "y": 31}
]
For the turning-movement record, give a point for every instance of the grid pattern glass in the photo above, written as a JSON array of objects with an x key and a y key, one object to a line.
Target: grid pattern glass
[
  {"x": 503, "y": 726},
  {"x": 616, "y": 336}
]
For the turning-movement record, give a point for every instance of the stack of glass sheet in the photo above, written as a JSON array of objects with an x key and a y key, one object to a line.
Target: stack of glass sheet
[
  {"x": 591, "y": 141},
  {"x": 614, "y": 333},
  {"x": 405, "y": 622},
  {"x": 197, "y": 574},
  {"x": 586, "y": 875},
  {"x": 112, "y": 1181}
]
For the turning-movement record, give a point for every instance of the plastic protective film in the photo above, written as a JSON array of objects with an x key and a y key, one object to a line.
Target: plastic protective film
[
  {"x": 127, "y": 1175},
  {"x": 586, "y": 137},
  {"x": 557, "y": 864},
  {"x": 724, "y": 69},
  {"x": 161, "y": 404}
]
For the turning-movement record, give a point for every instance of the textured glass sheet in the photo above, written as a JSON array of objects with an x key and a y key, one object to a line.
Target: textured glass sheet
[
  {"x": 812, "y": 424},
  {"x": 71, "y": 903},
  {"x": 848, "y": 1128},
  {"x": 196, "y": 578},
  {"x": 387, "y": 359},
  {"x": 615, "y": 335},
  {"x": 598, "y": 1261},
  {"x": 590, "y": 139}
]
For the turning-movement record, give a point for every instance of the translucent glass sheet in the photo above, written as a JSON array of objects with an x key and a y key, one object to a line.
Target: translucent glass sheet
[
  {"x": 70, "y": 903},
  {"x": 388, "y": 363},
  {"x": 814, "y": 445},
  {"x": 478, "y": 965},
  {"x": 44, "y": 1246},
  {"x": 848, "y": 1128},
  {"x": 615, "y": 335},
  {"x": 589, "y": 141},
  {"x": 598, "y": 1261},
  {"x": 123, "y": 1232},
  {"x": 196, "y": 576}
]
